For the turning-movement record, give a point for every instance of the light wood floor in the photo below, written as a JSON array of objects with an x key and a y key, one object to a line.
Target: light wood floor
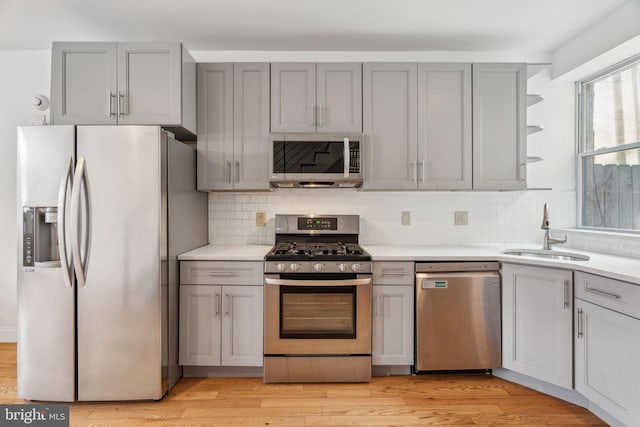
[{"x": 398, "y": 400}]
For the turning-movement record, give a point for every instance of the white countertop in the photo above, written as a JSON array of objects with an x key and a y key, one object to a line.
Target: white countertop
[
  {"x": 226, "y": 253},
  {"x": 615, "y": 267}
]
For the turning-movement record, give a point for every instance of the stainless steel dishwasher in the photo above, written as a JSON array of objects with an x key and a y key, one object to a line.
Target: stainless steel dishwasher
[{"x": 458, "y": 323}]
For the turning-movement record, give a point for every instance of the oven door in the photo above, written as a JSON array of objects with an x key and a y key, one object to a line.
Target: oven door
[{"x": 317, "y": 317}]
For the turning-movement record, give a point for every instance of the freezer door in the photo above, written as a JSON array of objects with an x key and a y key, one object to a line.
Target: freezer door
[
  {"x": 46, "y": 333},
  {"x": 458, "y": 324},
  {"x": 119, "y": 302}
]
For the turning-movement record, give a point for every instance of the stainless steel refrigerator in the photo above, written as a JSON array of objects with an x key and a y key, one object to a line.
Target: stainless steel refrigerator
[{"x": 103, "y": 212}]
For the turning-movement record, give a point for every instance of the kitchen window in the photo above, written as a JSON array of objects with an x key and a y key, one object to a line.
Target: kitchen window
[{"x": 609, "y": 148}]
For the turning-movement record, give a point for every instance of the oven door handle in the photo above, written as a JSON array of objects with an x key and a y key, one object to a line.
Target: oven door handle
[{"x": 289, "y": 282}]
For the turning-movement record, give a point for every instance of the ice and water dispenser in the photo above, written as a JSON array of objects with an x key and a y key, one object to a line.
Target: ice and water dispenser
[{"x": 40, "y": 237}]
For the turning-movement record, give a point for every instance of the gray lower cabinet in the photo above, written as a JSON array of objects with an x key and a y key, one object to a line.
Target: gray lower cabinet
[
  {"x": 393, "y": 307},
  {"x": 233, "y": 126},
  {"x": 607, "y": 345},
  {"x": 499, "y": 126},
  {"x": 417, "y": 121},
  {"x": 537, "y": 323},
  {"x": 220, "y": 325},
  {"x": 129, "y": 83},
  {"x": 310, "y": 97}
]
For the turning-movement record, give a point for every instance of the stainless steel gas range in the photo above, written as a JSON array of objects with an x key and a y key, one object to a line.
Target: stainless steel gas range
[{"x": 317, "y": 301}]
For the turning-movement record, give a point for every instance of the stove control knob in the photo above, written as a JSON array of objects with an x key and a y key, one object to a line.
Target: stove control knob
[
  {"x": 294, "y": 267},
  {"x": 343, "y": 267},
  {"x": 317, "y": 267},
  {"x": 281, "y": 267},
  {"x": 356, "y": 266}
]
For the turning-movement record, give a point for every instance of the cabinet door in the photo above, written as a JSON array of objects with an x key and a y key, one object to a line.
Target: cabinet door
[
  {"x": 339, "y": 97},
  {"x": 499, "y": 126},
  {"x": 392, "y": 340},
  {"x": 537, "y": 323},
  {"x": 215, "y": 126},
  {"x": 293, "y": 97},
  {"x": 149, "y": 83},
  {"x": 607, "y": 352},
  {"x": 444, "y": 126},
  {"x": 84, "y": 83},
  {"x": 200, "y": 307},
  {"x": 242, "y": 326},
  {"x": 390, "y": 115},
  {"x": 251, "y": 126}
]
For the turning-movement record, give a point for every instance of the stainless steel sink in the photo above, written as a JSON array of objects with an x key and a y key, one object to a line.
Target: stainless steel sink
[{"x": 548, "y": 254}]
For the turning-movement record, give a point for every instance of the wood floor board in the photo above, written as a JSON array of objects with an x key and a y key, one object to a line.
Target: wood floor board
[{"x": 443, "y": 399}]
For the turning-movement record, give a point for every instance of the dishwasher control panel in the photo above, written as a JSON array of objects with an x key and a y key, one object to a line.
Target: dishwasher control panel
[{"x": 466, "y": 266}]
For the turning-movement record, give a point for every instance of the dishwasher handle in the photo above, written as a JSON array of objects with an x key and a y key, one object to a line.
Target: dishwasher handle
[{"x": 441, "y": 280}]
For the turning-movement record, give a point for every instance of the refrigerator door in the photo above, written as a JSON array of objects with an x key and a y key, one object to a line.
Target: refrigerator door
[
  {"x": 46, "y": 314},
  {"x": 119, "y": 303}
]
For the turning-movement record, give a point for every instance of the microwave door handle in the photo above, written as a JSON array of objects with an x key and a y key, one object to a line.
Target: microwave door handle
[{"x": 347, "y": 158}]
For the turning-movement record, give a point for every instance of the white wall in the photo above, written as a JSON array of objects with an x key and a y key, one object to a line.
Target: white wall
[{"x": 22, "y": 75}]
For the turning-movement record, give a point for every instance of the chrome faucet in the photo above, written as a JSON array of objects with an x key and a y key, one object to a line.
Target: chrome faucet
[{"x": 548, "y": 240}]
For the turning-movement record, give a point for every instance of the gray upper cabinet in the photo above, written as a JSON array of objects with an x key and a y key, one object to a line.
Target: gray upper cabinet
[
  {"x": 309, "y": 97},
  {"x": 499, "y": 126},
  {"x": 444, "y": 126},
  {"x": 124, "y": 83},
  {"x": 233, "y": 126},
  {"x": 417, "y": 124},
  {"x": 390, "y": 125}
]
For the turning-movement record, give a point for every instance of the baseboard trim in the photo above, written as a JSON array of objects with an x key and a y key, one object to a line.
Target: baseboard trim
[
  {"x": 567, "y": 395},
  {"x": 8, "y": 334}
]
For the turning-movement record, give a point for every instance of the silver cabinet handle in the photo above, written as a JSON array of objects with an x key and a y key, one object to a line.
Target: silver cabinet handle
[
  {"x": 66, "y": 263},
  {"x": 322, "y": 115},
  {"x": 122, "y": 104},
  {"x": 602, "y": 293},
  {"x": 347, "y": 157},
  {"x": 400, "y": 273},
  {"x": 237, "y": 170},
  {"x": 229, "y": 172},
  {"x": 227, "y": 304},
  {"x": 222, "y": 274},
  {"x": 421, "y": 171},
  {"x": 79, "y": 179},
  {"x": 218, "y": 301},
  {"x": 565, "y": 284},
  {"x": 110, "y": 97},
  {"x": 580, "y": 324}
]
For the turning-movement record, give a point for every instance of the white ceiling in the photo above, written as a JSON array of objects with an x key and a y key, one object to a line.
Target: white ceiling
[{"x": 525, "y": 26}]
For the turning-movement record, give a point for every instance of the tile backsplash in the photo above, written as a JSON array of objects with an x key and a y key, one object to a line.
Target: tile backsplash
[{"x": 493, "y": 217}]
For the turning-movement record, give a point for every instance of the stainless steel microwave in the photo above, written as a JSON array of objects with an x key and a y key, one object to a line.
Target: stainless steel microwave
[{"x": 316, "y": 160}]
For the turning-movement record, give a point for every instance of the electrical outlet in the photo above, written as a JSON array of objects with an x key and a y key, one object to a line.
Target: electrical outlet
[
  {"x": 261, "y": 219},
  {"x": 460, "y": 218},
  {"x": 405, "y": 218}
]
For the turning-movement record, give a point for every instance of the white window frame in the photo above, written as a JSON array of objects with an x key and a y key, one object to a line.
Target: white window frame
[{"x": 582, "y": 153}]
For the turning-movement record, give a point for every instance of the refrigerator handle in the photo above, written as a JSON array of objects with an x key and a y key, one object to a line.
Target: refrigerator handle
[
  {"x": 65, "y": 261},
  {"x": 79, "y": 179}
]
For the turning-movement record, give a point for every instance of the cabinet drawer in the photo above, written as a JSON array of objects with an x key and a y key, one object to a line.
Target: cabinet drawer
[
  {"x": 221, "y": 273},
  {"x": 393, "y": 273},
  {"x": 616, "y": 295}
]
